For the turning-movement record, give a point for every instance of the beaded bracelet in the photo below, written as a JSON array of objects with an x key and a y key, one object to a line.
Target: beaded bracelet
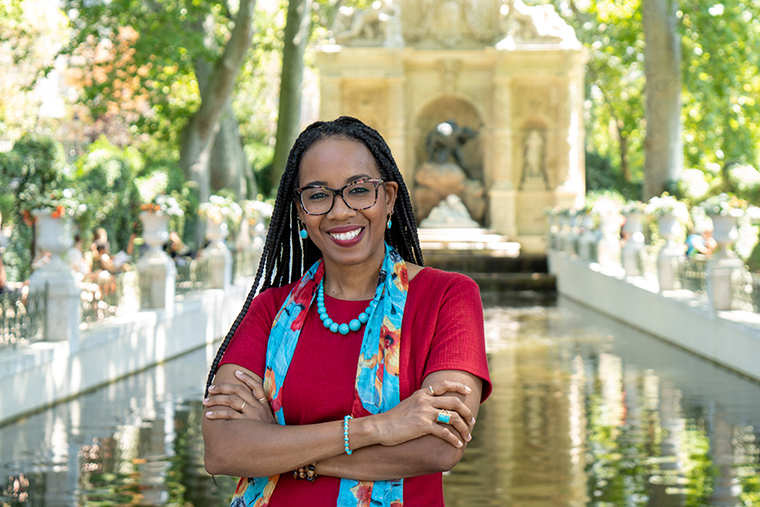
[
  {"x": 307, "y": 472},
  {"x": 345, "y": 433}
]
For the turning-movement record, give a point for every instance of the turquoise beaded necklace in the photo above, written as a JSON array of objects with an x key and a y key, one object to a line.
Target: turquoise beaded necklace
[{"x": 333, "y": 326}]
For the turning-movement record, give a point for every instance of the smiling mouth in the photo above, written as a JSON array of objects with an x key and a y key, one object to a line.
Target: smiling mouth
[{"x": 347, "y": 236}]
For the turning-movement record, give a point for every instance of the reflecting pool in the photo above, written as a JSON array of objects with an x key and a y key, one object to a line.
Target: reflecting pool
[{"x": 585, "y": 411}]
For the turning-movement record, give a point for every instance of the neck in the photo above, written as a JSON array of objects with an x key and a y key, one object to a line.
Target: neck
[{"x": 352, "y": 283}]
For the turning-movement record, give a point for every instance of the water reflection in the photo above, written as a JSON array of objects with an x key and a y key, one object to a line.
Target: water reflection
[{"x": 585, "y": 411}]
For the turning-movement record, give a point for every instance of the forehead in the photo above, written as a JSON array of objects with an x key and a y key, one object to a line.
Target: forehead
[{"x": 336, "y": 160}]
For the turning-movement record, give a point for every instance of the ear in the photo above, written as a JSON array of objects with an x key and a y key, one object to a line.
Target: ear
[{"x": 391, "y": 192}]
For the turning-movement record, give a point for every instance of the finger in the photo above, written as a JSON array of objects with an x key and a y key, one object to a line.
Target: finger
[
  {"x": 223, "y": 413},
  {"x": 448, "y": 386},
  {"x": 446, "y": 435},
  {"x": 456, "y": 405},
  {"x": 257, "y": 389},
  {"x": 232, "y": 401},
  {"x": 238, "y": 390},
  {"x": 457, "y": 423}
]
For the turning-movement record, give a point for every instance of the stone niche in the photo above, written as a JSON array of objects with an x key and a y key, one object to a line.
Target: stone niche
[{"x": 512, "y": 73}]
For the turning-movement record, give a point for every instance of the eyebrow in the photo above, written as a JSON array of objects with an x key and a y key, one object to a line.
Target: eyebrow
[{"x": 353, "y": 178}]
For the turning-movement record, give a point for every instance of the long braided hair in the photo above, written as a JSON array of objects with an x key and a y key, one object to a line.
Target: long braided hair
[{"x": 284, "y": 260}]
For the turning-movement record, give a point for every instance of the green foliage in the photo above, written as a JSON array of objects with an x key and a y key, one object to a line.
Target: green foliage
[
  {"x": 106, "y": 176},
  {"x": 601, "y": 175},
  {"x": 31, "y": 170}
]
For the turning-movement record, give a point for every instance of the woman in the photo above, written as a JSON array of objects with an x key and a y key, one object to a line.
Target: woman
[{"x": 385, "y": 360}]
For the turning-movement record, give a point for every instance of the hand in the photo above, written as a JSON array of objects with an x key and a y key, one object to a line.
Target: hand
[
  {"x": 417, "y": 416},
  {"x": 238, "y": 401}
]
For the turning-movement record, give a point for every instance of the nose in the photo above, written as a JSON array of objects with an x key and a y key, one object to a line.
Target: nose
[{"x": 340, "y": 210}]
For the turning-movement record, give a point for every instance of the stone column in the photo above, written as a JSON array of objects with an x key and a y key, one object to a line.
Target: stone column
[
  {"x": 499, "y": 179},
  {"x": 331, "y": 97},
  {"x": 156, "y": 269},
  {"x": 63, "y": 306},
  {"x": 395, "y": 134}
]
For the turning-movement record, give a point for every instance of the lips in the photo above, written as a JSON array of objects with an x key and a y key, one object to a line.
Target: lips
[{"x": 346, "y": 236}]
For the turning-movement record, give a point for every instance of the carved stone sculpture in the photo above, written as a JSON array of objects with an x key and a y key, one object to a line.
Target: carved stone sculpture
[
  {"x": 538, "y": 24},
  {"x": 446, "y": 140},
  {"x": 450, "y": 213},
  {"x": 534, "y": 171},
  {"x": 378, "y": 25}
]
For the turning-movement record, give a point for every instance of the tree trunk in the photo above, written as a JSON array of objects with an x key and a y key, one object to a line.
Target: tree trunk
[
  {"x": 229, "y": 164},
  {"x": 663, "y": 145},
  {"x": 198, "y": 135},
  {"x": 289, "y": 116}
]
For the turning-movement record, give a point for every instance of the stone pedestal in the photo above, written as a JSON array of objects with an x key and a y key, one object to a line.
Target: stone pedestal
[
  {"x": 670, "y": 228},
  {"x": 723, "y": 263},
  {"x": 587, "y": 240},
  {"x": 218, "y": 256},
  {"x": 156, "y": 269},
  {"x": 158, "y": 275},
  {"x": 63, "y": 310},
  {"x": 502, "y": 209},
  {"x": 634, "y": 245},
  {"x": 608, "y": 248}
]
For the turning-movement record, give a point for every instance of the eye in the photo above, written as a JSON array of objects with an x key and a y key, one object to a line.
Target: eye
[
  {"x": 359, "y": 189},
  {"x": 316, "y": 194}
]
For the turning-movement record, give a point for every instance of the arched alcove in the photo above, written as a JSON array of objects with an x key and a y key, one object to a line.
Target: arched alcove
[{"x": 466, "y": 115}]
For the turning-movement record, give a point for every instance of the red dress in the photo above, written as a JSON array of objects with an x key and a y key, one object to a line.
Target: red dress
[{"x": 442, "y": 330}]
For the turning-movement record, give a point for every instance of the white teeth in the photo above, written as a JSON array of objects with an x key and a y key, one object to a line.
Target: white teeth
[{"x": 347, "y": 236}]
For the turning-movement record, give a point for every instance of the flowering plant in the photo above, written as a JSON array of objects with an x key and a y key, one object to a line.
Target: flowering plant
[
  {"x": 724, "y": 205},
  {"x": 605, "y": 206},
  {"x": 59, "y": 203},
  {"x": 163, "y": 205},
  {"x": 220, "y": 209},
  {"x": 255, "y": 211},
  {"x": 631, "y": 207},
  {"x": 664, "y": 204}
]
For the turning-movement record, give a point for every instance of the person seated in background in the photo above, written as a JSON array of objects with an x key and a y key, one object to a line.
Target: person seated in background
[
  {"x": 75, "y": 259},
  {"x": 700, "y": 242}
]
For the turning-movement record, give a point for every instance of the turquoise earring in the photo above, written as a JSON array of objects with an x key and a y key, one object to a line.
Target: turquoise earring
[
  {"x": 304, "y": 233},
  {"x": 389, "y": 220}
]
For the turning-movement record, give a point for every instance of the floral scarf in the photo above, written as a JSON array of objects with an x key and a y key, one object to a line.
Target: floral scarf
[{"x": 377, "y": 374}]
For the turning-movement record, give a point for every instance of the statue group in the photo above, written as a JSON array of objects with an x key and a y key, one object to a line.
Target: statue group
[{"x": 445, "y": 194}]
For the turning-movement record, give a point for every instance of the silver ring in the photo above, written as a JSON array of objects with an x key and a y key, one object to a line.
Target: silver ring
[
  {"x": 432, "y": 391},
  {"x": 242, "y": 407}
]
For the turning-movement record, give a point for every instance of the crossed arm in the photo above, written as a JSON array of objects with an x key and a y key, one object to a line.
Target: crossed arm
[{"x": 403, "y": 442}]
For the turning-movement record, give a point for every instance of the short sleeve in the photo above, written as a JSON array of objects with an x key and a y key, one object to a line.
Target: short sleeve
[
  {"x": 248, "y": 347},
  {"x": 459, "y": 336}
]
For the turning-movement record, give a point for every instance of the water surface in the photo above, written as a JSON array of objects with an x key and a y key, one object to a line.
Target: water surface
[{"x": 585, "y": 411}]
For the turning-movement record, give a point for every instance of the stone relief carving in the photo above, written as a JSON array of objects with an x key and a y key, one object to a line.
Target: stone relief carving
[
  {"x": 534, "y": 101},
  {"x": 367, "y": 104},
  {"x": 539, "y": 24},
  {"x": 379, "y": 25},
  {"x": 449, "y": 69},
  {"x": 449, "y": 21}
]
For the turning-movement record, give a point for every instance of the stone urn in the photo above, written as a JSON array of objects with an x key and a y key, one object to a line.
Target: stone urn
[
  {"x": 53, "y": 235},
  {"x": 155, "y": 230},
  {"x": 634, "y": 244},
  {"x": 216, "y": 232},
  {"x": 725, "y": 233},
  {"x": 670, "y": 228}
]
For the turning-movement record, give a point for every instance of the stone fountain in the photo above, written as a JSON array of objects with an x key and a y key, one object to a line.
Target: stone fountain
[{"x": 500, "y": 81}]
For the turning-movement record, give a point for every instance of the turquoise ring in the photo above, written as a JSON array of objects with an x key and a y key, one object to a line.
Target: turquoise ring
[{"x": 444, "y": 417}]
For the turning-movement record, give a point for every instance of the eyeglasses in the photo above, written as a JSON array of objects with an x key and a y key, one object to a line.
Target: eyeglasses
[{"x": 358, "y": 195}]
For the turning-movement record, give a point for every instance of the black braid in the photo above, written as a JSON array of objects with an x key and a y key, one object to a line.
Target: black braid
[{"x": 283, "y": 259}]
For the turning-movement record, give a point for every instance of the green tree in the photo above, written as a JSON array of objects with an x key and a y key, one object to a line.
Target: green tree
[
  {"x": 297, "y": 31},
  {"x": 165, "y": 69}
]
